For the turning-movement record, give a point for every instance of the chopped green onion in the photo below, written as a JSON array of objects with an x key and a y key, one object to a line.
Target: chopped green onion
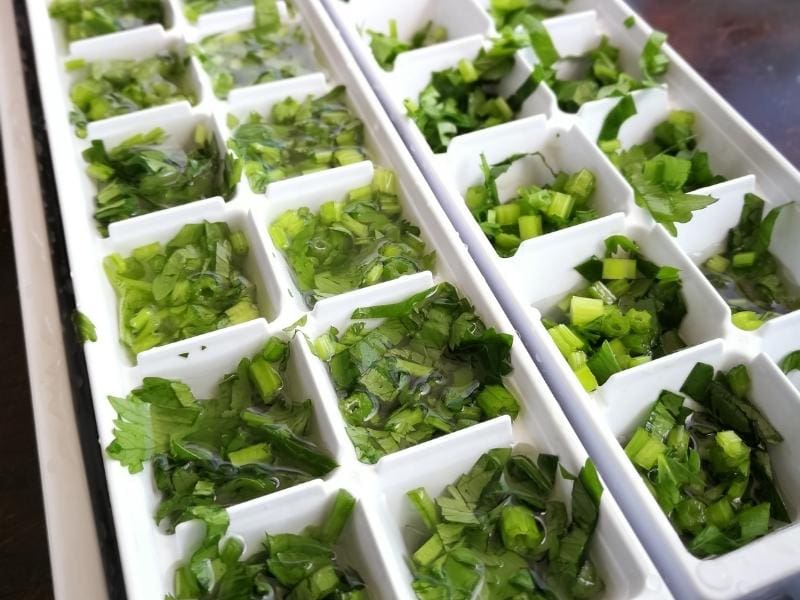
[
  {"x": 708, "y": 465},
  {"x": 319, "y": 132},
  {"x": 429, "y": 368},
  {"x": 237, "y": 59}
]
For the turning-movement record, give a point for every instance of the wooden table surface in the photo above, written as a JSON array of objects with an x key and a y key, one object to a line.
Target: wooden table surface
[{"x": 748, "y": 49}]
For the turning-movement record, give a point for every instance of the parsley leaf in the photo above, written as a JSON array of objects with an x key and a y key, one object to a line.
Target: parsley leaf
[{"x": 247, "y": 441}]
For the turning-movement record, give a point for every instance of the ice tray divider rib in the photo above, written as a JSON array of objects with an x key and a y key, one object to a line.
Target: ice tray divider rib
[{"x": 725, "y": 134}]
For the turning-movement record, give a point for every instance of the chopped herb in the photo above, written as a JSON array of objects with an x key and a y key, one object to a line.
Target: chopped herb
[
  {"x": 192, "y": 9},
  {"x": 247, "y": 441},
  {"x": 665, "y": 169},
  {"x": 302, "y": 566},
  {"x": 149, "y": 172},
  {"x": 352, "y": 243},
  {"x": 653, "y": 62},
  {"x": 534, "y": 210},
  {"x": 192, "y": 285},
  {"x": 709, "y": 467},
  {"x": 299, "y": 137},
  {"x": 629, "y": 314},
  {"x": 501, "y": 529},
  {"x": 238, "y": 59},
  {"x": 430, "y": 368},
  {"x": 791, "y": 362},
  {"x": 604, "y": 76},
  {"x": 509, "y": 13},
  {"x": 629, "y": 22},
  {"x": 84, "y": 328},
  {"x": 616, "y": 117},
  {"x": 462, "y": 99},
  {"x": 117, "y": 87},
  {"x": 747, "y": 274},
  {"x": 386, "y": 47},
  {"x": 89, "y": 18}
]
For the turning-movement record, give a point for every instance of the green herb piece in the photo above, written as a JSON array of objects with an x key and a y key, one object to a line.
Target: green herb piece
[
  {"x": 628, "y": 314},
  {"x": 664, "y": 170},
  {"x": 500, "y": 528},
  {"x": 238, "y": 59},
  {"x": 462, "y": 99},
  {"x": 191, "y": 286},
  {"x": 747, "y": 274},
  {"x": 386, "y": 47},
  {"x": 430, "y": 368},
  {"x": 303, "y": 566},
  {"x": 238, "y": 445},
  {"x": 653, "y": 62},
  {"x": 709, "y": 467},
  {"x": 622, "y": 111},
  {"x": 791, "y": 362},
  {"x": 88, "y": 18},
  {"x": 351, "y": 243},
  {"x": 508, "y": 13},
  {"x": 534, "y": 210},
  {"x": 299, "y": 137},
  {"x": 629, "y": 22},
  {"x": 604, "y": 76},
  {"x": 149, "y": 172},
  {"x": 116, "y": 87},
  {"x": 84, "y": 328},
  {"x": 192, "y": 9}
]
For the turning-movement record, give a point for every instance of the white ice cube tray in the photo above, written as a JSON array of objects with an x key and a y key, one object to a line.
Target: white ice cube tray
[
  {"x": 371, "y": 542},
  {"x": 541, "y": 273}
]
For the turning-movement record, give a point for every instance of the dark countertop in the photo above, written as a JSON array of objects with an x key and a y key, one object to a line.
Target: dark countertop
[{"x": 749, "y": 50}]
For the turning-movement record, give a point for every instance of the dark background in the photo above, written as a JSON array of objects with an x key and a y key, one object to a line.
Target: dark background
[{"x": 749, "y": 50}]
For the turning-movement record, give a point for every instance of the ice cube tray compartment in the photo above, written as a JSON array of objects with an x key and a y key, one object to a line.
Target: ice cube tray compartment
[
  {"x": 531, "y": 282},
  {"x": 148, "y": 555},
  {"x": 627, "y": 399}
]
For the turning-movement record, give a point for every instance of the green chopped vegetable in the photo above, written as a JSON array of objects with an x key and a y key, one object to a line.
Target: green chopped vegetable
[
  {"x": 534, "y": 210},
  {"x": 351, "y": 243},
  {"x": 303, "y": 566},
  {"x": 629, "y": 314},
  {"x": 604, "y": 76},
  {"x": 616, "y": 117},
  {"x": 501, "y": 531},
  {"x": 239, "y": 444},
  {"x": 149, "y": 172},
  {"x": 709, "y": 467},
  {"x": 116, "y": 87},
  {"x": 508, "y": 13},
  {"x": 89, "y": 18},
  {"x": 193, "y": 285},
  {"x": 192, "y": 9},
  {"x": 430, "y": 368},
  {"x": 84, "y": 328},
  {"x": 238, "y": 59},
  {"x": 299, "y": 137},
  {"x": 386, "y": 47},
  {"x": 664, "y": 170},
  {"x": 462, "y": 99},
  {"x": 747, "y": 274},
  {"x": 791, "y": 362},
  {"x": 629, "y": 22}
]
